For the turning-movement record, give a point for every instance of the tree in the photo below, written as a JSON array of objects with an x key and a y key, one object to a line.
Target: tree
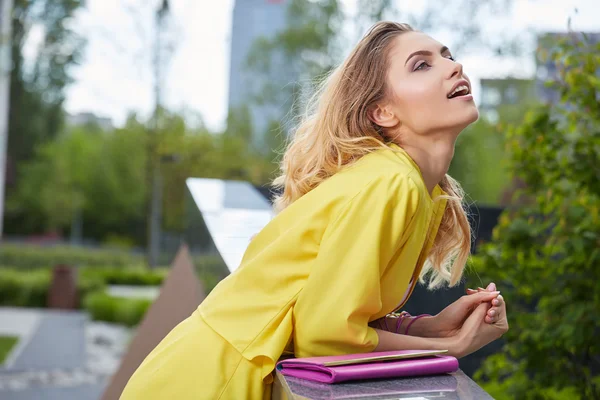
[
  {"x": 37, "y": 86},
  {"x": 85, "y": 174},
  {"x": 37, "y": 93},
  {"x": 52, "y": 183},
  {"x": 545, "y": 254},
  {"x": 201, "y": 153},
  {"x": 479, "y": 162}
]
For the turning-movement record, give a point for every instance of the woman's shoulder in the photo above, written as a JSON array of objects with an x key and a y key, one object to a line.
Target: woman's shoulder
[
  {"x": 384, "y": 167},
  {"x": 381, "y": 172}
]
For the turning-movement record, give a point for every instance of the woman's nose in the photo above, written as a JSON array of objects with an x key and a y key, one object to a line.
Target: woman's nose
[{"x": 456, "y": 69}]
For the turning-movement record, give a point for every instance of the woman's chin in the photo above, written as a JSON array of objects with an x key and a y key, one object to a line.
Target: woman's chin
[
  {"x": 474, "y": 115},
  {"x": 470, "y": 117}
]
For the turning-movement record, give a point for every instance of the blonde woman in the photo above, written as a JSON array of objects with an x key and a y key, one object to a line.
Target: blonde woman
[{"x": 367, "y": 209}]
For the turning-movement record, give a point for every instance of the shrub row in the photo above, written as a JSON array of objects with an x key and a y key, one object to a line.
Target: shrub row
[
  {"x": 28, "y": 256},
  {"x": 29, "y": 288}
]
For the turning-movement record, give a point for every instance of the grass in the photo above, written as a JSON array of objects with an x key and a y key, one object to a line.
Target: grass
[{"x": 6, "y": 345}]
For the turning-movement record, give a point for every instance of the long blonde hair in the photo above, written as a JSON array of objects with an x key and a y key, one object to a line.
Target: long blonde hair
[{"x": 335, "y": 131}]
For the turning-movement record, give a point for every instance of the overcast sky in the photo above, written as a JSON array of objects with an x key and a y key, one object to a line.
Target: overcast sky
[{"x": 115, "y": 77}]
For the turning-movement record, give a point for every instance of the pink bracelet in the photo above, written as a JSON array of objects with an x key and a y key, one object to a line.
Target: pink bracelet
[
  {"x": 414, "y": 319},
  {"x": 401, "y": 317}
]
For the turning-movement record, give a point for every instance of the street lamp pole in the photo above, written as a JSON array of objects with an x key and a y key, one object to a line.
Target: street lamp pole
[
  {"x": 5, "y": 70},
  {"x": 156, "y": 184}
]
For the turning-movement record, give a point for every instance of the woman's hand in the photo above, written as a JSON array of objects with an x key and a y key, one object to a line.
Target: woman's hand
[
  {"x": 450, "y": 320},
  {"x": 493, "y": 314},
  {"x": 476, "y": 332}
]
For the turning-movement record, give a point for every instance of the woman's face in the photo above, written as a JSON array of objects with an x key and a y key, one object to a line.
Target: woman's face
[{"x": 421, "y": 79}]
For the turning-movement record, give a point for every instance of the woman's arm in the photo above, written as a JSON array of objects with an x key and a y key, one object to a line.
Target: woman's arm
[
  {"x": 449, "y": 321},
  {"x": 422, "y": 327},
  {"x": 391, "y": 341},
  {"x": 473, "y": 334},
  {"x": 425, "y": 327}
]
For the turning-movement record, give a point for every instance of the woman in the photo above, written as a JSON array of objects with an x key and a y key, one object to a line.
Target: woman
[{"x": 366, "y": 209}]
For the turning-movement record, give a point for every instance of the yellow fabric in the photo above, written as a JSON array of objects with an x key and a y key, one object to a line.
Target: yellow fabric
[
  {"x": 337, "y": 258},
  {"x": 194, "y": 362}
]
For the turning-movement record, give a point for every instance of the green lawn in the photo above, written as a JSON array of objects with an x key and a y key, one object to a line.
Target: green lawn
[{"x": 6, "y": 345}]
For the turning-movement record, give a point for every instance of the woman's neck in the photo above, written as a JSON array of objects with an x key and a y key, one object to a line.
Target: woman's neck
[{"x": 433, "y": 155}]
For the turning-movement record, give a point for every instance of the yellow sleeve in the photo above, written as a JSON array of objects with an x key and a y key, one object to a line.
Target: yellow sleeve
[{"x": 342, "y": 291}]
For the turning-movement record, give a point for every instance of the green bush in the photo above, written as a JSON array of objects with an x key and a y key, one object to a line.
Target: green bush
[
  {"x": 27, "y": 283},
  {"x": 28, "y": 256},
  {"x": 20, "y": 289},
  {"x": 30, "y": 288},
  {"x": 545, "y": 255},
  {"x": 135, "y": 276},
  {"x": 104, "y": 307}
]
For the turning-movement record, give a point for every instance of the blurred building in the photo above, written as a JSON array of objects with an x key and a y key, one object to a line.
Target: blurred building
[
  {"x": 254, "y": 20},
  {"x": 89, "y": 119},
  {"x": 546, "y": 69},
  {"x": 505, "y": 98}
]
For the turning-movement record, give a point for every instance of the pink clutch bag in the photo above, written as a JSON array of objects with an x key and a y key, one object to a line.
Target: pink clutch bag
[{"x": 387, "y": 364}]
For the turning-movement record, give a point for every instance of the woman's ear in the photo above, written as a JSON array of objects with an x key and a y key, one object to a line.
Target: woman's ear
[{"x": 383, "y": 116}]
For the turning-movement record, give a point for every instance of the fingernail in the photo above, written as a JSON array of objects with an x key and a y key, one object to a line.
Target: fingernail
[
  {"x": 491, "y": 286},
  {"x": 492, "y": 313}
]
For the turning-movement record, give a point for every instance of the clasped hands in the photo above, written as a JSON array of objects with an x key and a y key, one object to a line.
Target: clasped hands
[
  {"x": 469, "y": 323},
  {"x": 474, "y": 320}
]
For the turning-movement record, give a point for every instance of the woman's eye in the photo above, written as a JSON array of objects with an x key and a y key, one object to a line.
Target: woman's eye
[
  {"x": 422, "y": 65},
  {"x": 451, "y": 58}
]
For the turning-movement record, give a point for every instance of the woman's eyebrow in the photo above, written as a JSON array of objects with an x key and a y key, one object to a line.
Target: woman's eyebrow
[{"x": 443, "y": 49}]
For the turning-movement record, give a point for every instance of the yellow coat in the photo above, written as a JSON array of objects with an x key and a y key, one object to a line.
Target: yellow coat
[{"x": 310, "y": 282}]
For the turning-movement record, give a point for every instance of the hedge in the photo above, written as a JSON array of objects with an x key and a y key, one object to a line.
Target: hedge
[
  {"x": 135, "y": 276},
  {"x": 118, "y": 267},
  {"x": 24, "y": 289},
  {"x": 30, "y": 288},
  {"x": 25, "y": 276},
  {"x": 104, "y": 307},
  {"x": 28, "y": 256}
]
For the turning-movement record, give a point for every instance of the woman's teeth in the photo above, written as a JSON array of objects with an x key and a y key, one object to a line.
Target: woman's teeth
[{"x": 459, "y": 89}]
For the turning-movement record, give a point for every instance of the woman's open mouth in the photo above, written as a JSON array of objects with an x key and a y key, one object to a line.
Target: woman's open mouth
[{"x": 461, "y": 90}]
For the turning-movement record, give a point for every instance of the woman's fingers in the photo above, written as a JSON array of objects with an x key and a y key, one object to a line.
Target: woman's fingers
[
  {"x": 490, "y": 288},
  {"x": 497, "y": 303},
  {"x": 495, "y": 312}
]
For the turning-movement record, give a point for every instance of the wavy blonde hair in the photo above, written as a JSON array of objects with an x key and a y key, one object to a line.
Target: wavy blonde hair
[{"x": 335, "y": 131}]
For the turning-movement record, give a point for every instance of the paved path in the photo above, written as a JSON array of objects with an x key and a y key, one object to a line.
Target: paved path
[
  {"x": 65, "y": 355},
  {"x": 57, "y": 343},
  {"x": 81, "y": 392}
]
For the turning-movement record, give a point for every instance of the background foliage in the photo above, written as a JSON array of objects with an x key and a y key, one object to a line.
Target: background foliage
[{"x": 545, "y": 256}]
